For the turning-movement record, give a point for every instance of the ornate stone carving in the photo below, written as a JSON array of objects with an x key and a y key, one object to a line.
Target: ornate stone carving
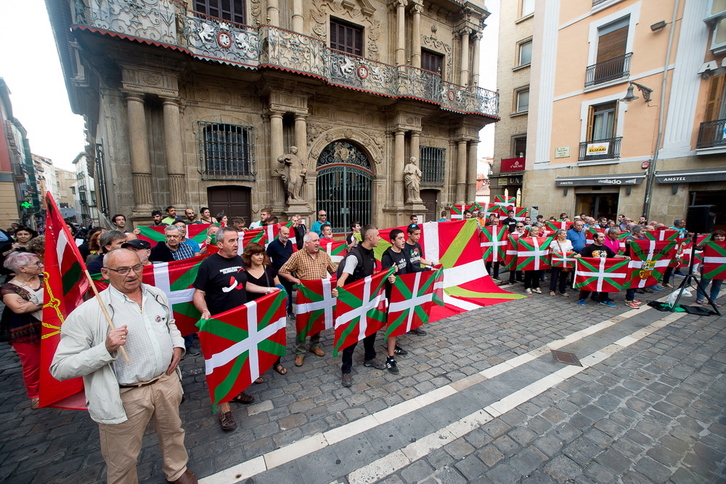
[
  {"x": 372, "y": 143},
  {"x": 412, "y": 181},
  {"x": 293, "y": 174},
  {"x": 256, "y": 10}
]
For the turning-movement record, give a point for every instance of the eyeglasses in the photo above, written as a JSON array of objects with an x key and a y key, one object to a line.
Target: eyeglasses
[
  {"x": 36, "y": 263},
  {"x": 519, "y": 226},
  {"x": 124, "y": 271}
]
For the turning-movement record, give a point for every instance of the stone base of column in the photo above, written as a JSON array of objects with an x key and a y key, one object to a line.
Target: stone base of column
[
  {"x": 142, "y": 193},
  {"x": 298, "y": 207},
  {"x": 177, "y": 189},
  {"x": 417, "y": 208}
]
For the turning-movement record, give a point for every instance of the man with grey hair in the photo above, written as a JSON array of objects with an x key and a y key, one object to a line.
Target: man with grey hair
[
  {"x": 309, "y": 263},
  {"x": 172, "y": 249},
  {"x": 109, "y": 240}
]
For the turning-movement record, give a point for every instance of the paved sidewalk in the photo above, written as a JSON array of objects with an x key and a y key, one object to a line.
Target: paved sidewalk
[{"x": 479, "y": 399}]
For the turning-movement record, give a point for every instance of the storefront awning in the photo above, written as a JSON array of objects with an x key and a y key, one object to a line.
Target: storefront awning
[
  {"x": 599, "y": 180},
  {"x": 691, "y": 176}
]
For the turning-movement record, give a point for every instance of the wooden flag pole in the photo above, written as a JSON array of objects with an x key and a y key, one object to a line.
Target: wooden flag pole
[{"x": 105, "y": 311}]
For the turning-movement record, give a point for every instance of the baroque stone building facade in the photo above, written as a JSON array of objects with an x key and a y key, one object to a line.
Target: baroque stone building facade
[{"x": 194, "y": 103}]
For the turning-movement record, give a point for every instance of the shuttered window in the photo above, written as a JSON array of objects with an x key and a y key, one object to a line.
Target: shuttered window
[
  {"x": 233, "y": 10},
  {"x": 346, "y": 37},
  {"x": 715, "y": 108},
  {"x": 431, "y": 61}
]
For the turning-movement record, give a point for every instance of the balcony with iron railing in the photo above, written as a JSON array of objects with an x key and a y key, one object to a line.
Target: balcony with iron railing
[
  {"x": 168, "y": 23},
  {"x": 601, "y": 149},
  {"x": 712, "y": 135},
  {"x": 608, "y": 71}
]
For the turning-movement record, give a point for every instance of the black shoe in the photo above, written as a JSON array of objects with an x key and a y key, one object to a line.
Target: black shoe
[
  {"x": 193, "y": 351},
  {"x": 418, "y": 331},
  {"x": 392, "y": 366},
  {"x": 400, "y": 351}
]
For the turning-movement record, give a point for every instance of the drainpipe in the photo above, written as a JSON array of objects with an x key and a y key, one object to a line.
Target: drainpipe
[{"x": 650, "y": 175}]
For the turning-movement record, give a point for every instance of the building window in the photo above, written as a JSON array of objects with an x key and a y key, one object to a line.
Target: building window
[
  {"x": 73, "y": 190},
  {"x": 711, "y": 132},
  {"x": 601, "y": 140},
  {"x": 227, "y": 151},
  {"x": 521, "y": 100},
  {"x": 519, "y": 146},
  {"x": 525, "y": 52},
  {"x": 232, "y": 10},
  {"x": 431, "y": 61},
  {"x": 346, "y": 37},
  {"x": 612, "y": 60},
  {"x": 527, "y": 7},
  {"x": 433, "y": 165}
]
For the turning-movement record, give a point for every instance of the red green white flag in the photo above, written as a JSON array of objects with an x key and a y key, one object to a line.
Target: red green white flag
[
  {"x": 560, "y": 225},
  {"x": 502, "y": 200},
  {"x": 714, "y": 260},
  {"x": 360, "y": 310},
  {"x": 662, "y": 234},
  {"x": 510, "y": 262},
  {"x": 336, "y": 249},
  {"x": 457, "y": 211},
  {"x": 409, "y": 306},
  {"x": 493, "y": 241},
  {"x": 563, "y": 259},
  {"x": 152, "y": 235},
  {"x": 241, "y": 344},
  {"x": 533, "y": 253},
  {"x": 648, "y": 261},
  {"x": 314, "y": 308},
  {"x": 601, "y": 274},
  {"x": 590, "y": 234},
  {"x": 65, "y": 285},
  {"x": 520, "y": 213}
]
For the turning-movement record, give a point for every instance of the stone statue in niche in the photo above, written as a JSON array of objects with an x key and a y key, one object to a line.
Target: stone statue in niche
[
  {"x": 412, "y": 181},
  {"x": 293, "y": 173}
]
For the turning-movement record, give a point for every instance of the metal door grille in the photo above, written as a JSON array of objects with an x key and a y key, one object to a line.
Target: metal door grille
[{"x": 344, "y": 185}]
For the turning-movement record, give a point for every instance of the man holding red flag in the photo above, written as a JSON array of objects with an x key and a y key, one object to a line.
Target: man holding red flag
[
  {"x": 358, "y": 264},
  {"x": 124, "y": 395}
]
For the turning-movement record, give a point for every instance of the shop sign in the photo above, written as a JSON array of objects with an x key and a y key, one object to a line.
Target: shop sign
[
  {"x": 616, "y": 180},
  {"x": 595, "y": 149},
  {"x": 513, "y": 164}
]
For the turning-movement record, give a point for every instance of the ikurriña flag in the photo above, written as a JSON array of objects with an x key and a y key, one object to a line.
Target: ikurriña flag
[
  {"x": 563, "y": 259},
  {"x": 649, "y": 260},
  {"x": 241, "y": 344},
  {"x": 65, "y": 285},
  {"x": 714, "y": 260},
  {"x": 533, "y": 253},
  {"x": 493, "y": 241},
  {"x": 560, "y": 225},
  {"x": 314, "y": 307},
  {"x": 601, "y": 274},
  {"x": 336, "y": 249},
  {"x": 360, "y": 310},
  {"x": 410, "y": 302}
]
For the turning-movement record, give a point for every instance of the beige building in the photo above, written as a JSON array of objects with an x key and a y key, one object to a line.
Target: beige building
[
  {"x": 626, "y": 108},
  {"x": 516, "y": 25},
  {"x": 191, "y": 104}
]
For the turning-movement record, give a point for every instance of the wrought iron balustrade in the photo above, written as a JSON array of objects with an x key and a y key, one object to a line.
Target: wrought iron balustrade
[
  {"x": 600, "y": 149},
  {"x": 170, "y": 24},
  {"x": 609, "y": 70},
  {"x": 712, "y": 134}
]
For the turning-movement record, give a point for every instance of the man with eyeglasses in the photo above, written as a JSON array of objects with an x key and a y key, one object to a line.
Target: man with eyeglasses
[
  {"x": 318, "y": 225},
  {"x": 124, "y": 396},
  {"x": 172, "y": 249}
]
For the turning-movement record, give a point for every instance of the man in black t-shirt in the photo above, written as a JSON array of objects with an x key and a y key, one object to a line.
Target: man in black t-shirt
[
  {"x": 597, "y": 249},
  {"x": 396, "y": 256},
  {"x": 415, "y": 253},
  {"x": 220, "y": 286},
  {"x": 510, "y": 221}
]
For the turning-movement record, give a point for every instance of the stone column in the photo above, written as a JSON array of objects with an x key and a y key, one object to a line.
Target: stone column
[
  {"x": 472, "y": 172},
  {"x": 401, "y": 32},
  {"x": 475, "y": 67},
  {"x": 464, "y": 79},
  {"x": 416, "y": 44},
  {"x": 277, "y": 193},
  {"x": 461, "y": 173},
  {"x": 415, "y": 147},
  {"x": 297, "y": 16},
  {"x": 139, "y": 153},
  {"x": 273, "y": 13},
  {"x": 174, "y": 153},
  {"x": 301, "y": 141},
  {"x": 398, "y": 165}
]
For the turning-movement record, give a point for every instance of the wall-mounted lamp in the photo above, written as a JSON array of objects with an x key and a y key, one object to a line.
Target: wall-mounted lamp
[
  {"x": 658, "y": 26},
  {"x": 629, "y": 96}
]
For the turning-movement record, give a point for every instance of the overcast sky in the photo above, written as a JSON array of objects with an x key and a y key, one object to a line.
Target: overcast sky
[{"x": 31, "y": 69}]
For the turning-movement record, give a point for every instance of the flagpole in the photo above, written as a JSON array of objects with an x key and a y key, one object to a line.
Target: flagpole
[{"x": 105, "y": 311}]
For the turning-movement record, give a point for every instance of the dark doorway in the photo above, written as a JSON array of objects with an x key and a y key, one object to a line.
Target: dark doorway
[
  {"x": 600, "y": 205},
  {"x": 430, "y": 201},
  {"x": 710, "y": 198},
  {"x": 233, "y": 201},
  {"x": 344, "y": 185}
]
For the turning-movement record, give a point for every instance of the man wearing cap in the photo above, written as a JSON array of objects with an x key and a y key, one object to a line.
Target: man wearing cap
[{"x": 142, "y": 249}]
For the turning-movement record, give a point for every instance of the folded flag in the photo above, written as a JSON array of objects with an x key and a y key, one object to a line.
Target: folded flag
[
  {"x": 314, "y": 308},
  {"x": 241, "y": 344},
  {"x": 601, "y": 274},
  {"x": 360, "y": 310}
]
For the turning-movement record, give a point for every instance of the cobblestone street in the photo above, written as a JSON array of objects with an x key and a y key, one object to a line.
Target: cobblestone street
[{"x": 479, "y": 399}]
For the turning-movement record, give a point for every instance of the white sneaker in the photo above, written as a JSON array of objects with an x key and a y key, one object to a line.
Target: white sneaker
[
  {"x": 537, "y": 290},
  {"x": 528, "y": 291}
]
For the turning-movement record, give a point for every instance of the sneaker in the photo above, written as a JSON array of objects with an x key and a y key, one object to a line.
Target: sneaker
[
  {"x": 631, "y": 304},
  {"x": 347, "y": 380},
  {"x": 607, "y": 303},
  {"x": 657, "y": 287},
  {"x": 374, "y": 363},
  {"x": 392, "y": 366},
  {"x": 193, "y": 351},
  {"x": 418, "y": 331},
  {"x": 635, "y": 301},
  {"x": 582, "y": 302},
  {"x": 497, "y": 280},
  {"x": 528, "y": 291},
  {"x": 667, "y": 284},
  {"x": 291, "y": 316},
  {"x": 641, "y": 291},
  {"x": 537, "y": 290},
  {"x": 648, "y": 290},
  {"x": 399, "y": 351}
]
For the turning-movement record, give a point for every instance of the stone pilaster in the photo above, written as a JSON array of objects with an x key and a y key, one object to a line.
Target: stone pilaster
[
  {"x": 139, "y": 153},
  {"x": 461, "y": 172},
  {"x": 174, "y": 153},
  {"x": 464, "y": 77}
]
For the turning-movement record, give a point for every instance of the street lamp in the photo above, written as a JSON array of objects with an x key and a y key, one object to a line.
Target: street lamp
[{"x": 630, "y": 97}]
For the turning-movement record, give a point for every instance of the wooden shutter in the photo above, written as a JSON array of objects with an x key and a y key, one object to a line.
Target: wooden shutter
[
  {"x": 715, "y": 97},
  {"x": 612, "y": 44}
]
